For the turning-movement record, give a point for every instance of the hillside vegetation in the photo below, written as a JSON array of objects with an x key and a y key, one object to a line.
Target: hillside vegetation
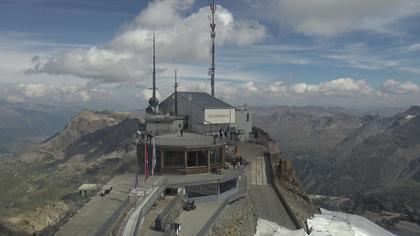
[{"x": 39, "y": 185}]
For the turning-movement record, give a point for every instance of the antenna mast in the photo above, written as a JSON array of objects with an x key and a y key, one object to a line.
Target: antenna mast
[
  {"x": 213, "y": 37},
  {"x": 153, "y": 101},
  {"x": 176, "y": 95},
  {"x": 154, "y": 65}
]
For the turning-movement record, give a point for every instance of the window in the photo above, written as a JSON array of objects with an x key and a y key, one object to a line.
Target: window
[
  {"x": 174, "y": 159},
  {"x": 197, "y": 158},
  {"x": 228, "y": 185},
  {"x": 247, "y": 117},
  {"x": 215, "y": 156},
  {"x": 201, "y": 190}
]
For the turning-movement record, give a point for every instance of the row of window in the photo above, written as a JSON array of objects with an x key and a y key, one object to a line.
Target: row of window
[
  {"x": 205, "y": 190},
  {"x": 194, "y": 158}
]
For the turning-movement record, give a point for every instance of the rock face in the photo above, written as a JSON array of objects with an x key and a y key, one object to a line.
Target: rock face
[
  {"x": 49, "y": 214},
  {"x": 40, "y": 184},
  {"x": 372, "y": 160},
  {"x": 292, "y": 191},
  {"x": 286, "y": 177}
]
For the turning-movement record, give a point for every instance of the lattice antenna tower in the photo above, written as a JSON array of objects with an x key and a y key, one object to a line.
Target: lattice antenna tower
[{"x": 212, "y": 49}]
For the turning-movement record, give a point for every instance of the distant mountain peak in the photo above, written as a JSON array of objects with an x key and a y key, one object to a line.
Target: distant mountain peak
[{"x": 413, "y": 110}]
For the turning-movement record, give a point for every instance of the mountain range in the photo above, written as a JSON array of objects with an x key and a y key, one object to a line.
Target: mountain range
[
  {"x": 38, "y": 183},
  {"x": 370, "y": 162},
  {"x": 363, "y": 163},
  {"x": 24, "y": 124}
]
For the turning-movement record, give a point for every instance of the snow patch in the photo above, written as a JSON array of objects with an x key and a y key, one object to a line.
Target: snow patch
[
  {"x": 409, "y": 117},
  {"x": 268, "y": 228},
  {"x": 327, "y": 223}
]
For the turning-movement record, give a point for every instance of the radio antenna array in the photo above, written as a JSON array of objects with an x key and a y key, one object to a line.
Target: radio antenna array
[
  {"x": 213, "y": 50},
  {"x": 176, "y": 94},
  {"x": 153, "y": 101}
]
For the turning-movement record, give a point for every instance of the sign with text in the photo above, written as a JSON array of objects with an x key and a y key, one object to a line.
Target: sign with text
[{"x": 219, "y": 116}]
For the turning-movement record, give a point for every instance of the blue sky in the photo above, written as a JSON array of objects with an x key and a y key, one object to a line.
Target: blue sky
[{"x": 320, "y": 52}]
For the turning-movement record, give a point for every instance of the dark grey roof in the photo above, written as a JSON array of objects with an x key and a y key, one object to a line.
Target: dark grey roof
[
  {"x": 205, "y": 100},
  {"x": 202, "y": 99}
]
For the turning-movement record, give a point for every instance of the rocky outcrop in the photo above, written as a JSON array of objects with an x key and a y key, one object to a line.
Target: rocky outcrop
[
  {"x": 296, "y": 200},
  {"x": 48, "y": 214},
  {"x": 286, "y": 177}
]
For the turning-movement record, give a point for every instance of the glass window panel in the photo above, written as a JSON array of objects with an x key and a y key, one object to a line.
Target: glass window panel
[
  {"x": 228, "y": 185},
  {"x": 174, "y": 159},
  {"x": 201, "y": 190}
]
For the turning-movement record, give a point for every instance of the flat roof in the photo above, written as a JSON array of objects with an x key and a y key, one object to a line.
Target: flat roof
[
  {"x": 87, "y": 187},
  {"x": 189, "y": 140}
]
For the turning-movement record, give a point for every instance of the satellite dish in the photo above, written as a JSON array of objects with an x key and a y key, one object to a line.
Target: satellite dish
[
  {"x": 149, "y": 110},
  {"x": 153, "y": 102}
]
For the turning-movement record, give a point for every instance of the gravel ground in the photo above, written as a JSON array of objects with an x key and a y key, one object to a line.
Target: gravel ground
[
  {"x": 268, "y": 206},
  {"x": 237, "y": 219}
]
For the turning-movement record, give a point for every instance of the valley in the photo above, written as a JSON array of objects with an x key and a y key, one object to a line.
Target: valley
[{"x": 372, "y": 161}]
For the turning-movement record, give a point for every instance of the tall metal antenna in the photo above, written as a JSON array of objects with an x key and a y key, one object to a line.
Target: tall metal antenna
[
  {"x": 213, "y": 37},
  {"x": 176, "y": 94},
  {"x": 153, "y": 101},
  {"x": 154, "y": 64}
]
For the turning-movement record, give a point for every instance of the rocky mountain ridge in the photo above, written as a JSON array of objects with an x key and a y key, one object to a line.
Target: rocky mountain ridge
[
  {"x": 22, "y": 125},
  {"x": 40, "y": 183},
  {"x": 372, "y": 160}
]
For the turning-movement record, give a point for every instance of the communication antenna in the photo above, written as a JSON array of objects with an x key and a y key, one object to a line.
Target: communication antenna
[
  {"x": 153, "y": 101},
  {"x": 176, "y": 94},
  {"x": 213, "y": 38}
]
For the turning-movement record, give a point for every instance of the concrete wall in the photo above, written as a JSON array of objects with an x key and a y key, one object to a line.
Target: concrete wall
[
  {"x": 168, "y": 127},
  {"x": 243, "y": 123},
  {"x": 169, "y": 214}
]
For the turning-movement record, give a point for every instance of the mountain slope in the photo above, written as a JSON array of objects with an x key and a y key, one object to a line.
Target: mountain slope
[
  {"x": 372, "y": 160},
  {"x": 40, "y": 184},
  {"x": 22, "y": 125}
]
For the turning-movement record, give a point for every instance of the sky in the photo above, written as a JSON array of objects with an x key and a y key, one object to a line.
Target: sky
[{"x": 98, "y": 53}]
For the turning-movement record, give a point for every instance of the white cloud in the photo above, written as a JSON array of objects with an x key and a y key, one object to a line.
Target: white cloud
[
  {"x": 341, "y": 87},
  {"x": 278, "y": 88},
  {"x": 360, "y": 56},
  {"x": 44, "y": 93},
  {"x": 127, "y": 57},
  {"x": 398, "y": 88},
  {"x": 333, "y": 17},
  {"x": 409, "y": 69}
]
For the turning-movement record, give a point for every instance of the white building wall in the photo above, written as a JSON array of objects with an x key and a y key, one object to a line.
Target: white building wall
[
  {"x": 194, "y": 114},
  {"x": 243, "y": 123}
]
